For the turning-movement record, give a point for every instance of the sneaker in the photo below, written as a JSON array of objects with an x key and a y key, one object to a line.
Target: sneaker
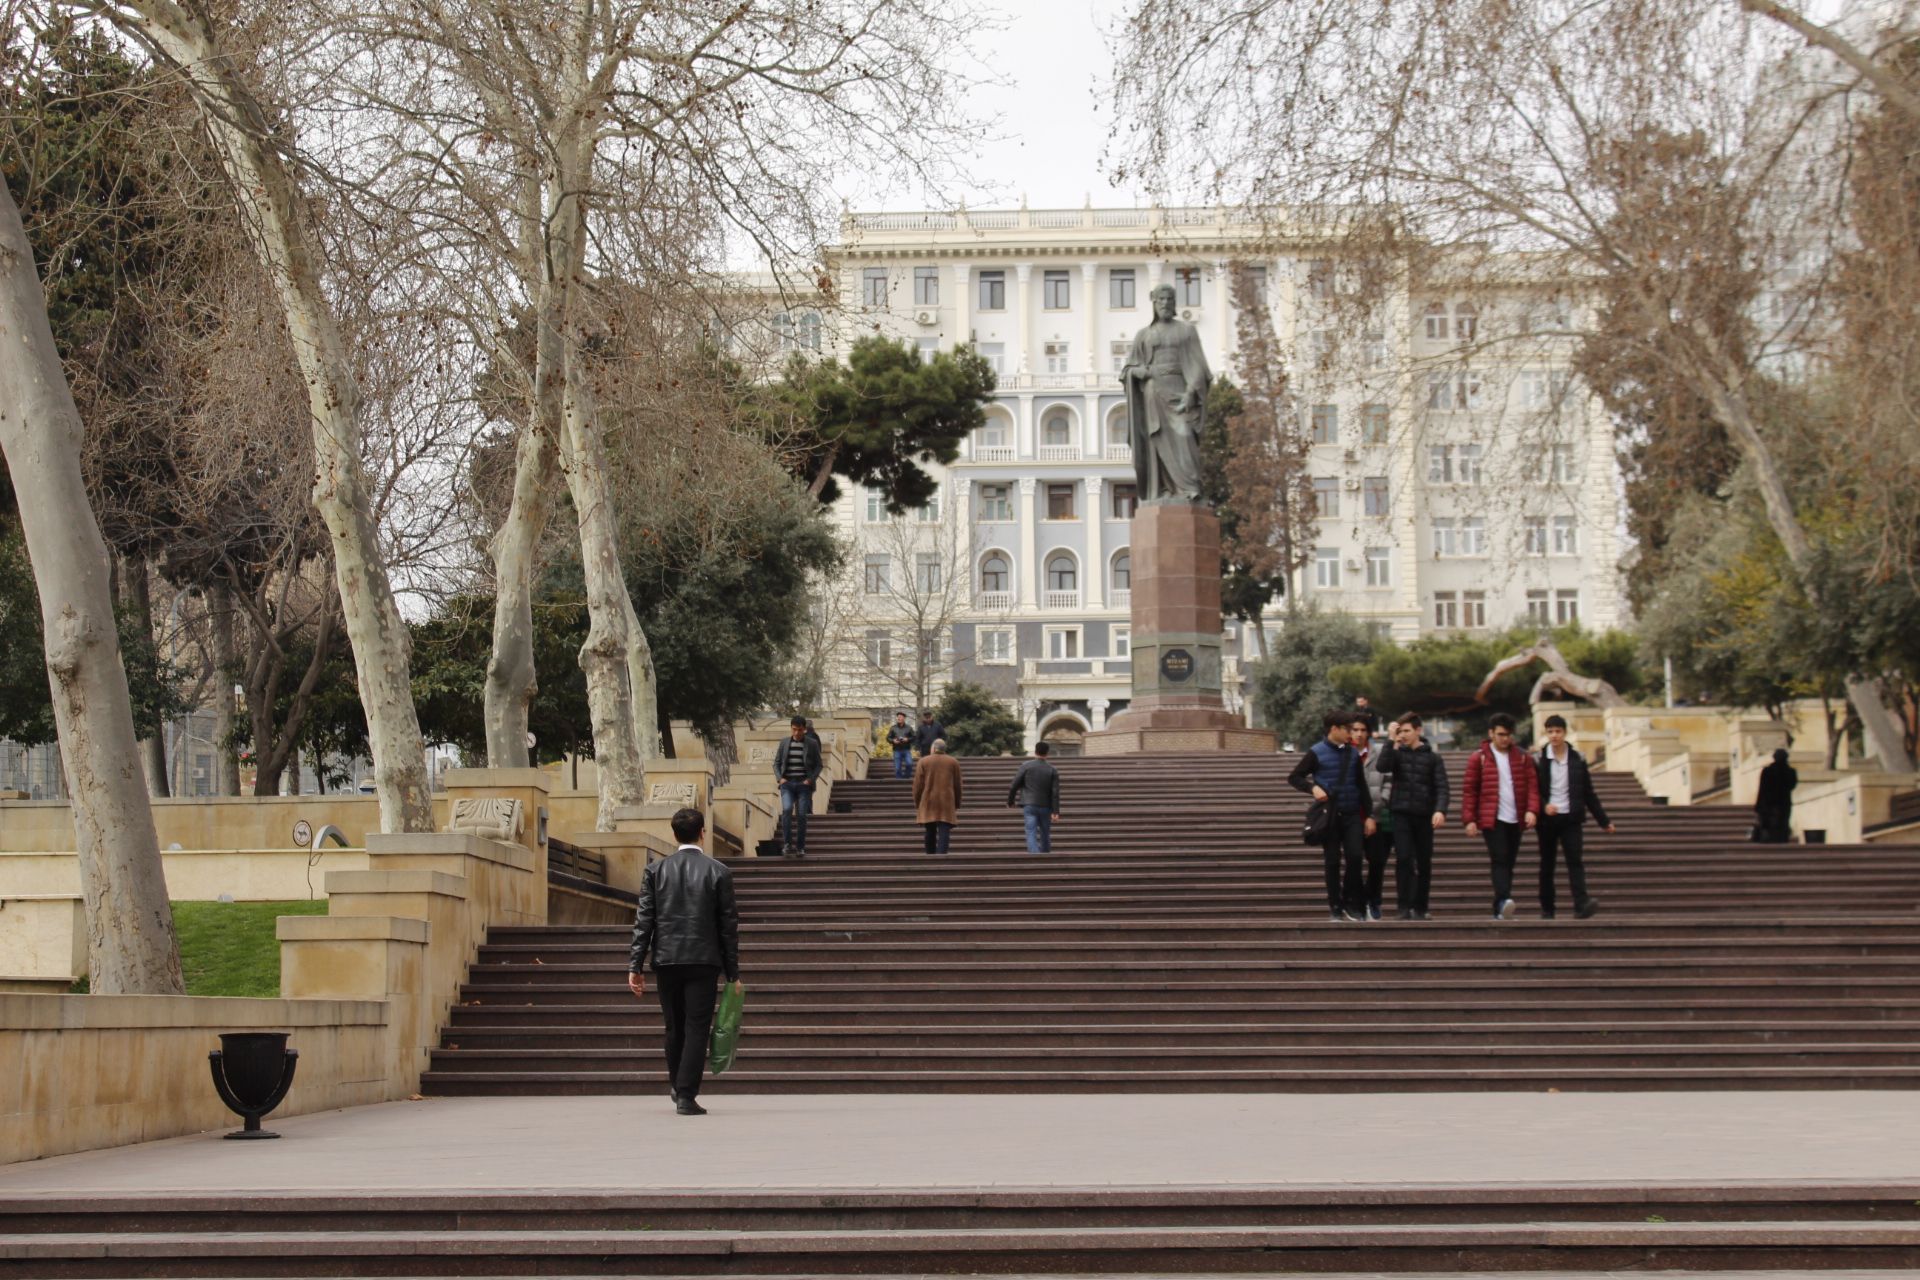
[
  {"x": 1409, "y": 915},
  {"x": 688, "y": 1107},
  {"x": 1587, "y": 910},
  {"x": 786, "y": 851},
  {"x": 1338, "y": 917},
  {"x": 1373, "y": 911},
  {"x": 1422, "y": 915},
  {"x": 1507, "y": 910},
  {"x": 1351, "y": 918}
]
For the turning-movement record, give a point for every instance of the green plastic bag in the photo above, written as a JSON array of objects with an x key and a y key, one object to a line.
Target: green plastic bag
[{"x": 726, "y": 1028}]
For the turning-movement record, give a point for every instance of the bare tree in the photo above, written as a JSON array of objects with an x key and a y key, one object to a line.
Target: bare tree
[
  {"x": 130, "y": 941},
  {"x": 1661, "y": 167},
  {"x": 917, "y": 581}
]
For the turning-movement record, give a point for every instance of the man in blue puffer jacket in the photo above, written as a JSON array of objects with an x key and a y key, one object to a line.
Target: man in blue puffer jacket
[{"x": 1330, "y": 772}]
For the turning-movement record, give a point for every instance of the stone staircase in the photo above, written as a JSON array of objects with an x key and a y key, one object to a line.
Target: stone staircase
[{"x": 1177, "y": 940}]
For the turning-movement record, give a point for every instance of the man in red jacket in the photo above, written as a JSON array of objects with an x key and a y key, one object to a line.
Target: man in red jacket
[{"x": 1500, "y": 799}]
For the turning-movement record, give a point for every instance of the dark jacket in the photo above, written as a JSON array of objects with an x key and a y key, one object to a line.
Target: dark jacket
[
  {"x": 1321, "y": 764},
  {"x": 899, "y": 735},
  {"x": 1777, "y": 782},
  {"x": 1036, "y": 785},
  {"x": 687, "y": 915},
  {"x": 1419, "y": 778},
  {"x": 808, "y": 745},
  {"x": 930, "y": 731},
  {"x": 1581, "y": 797},
  {"x": 1480, "y": 796}
]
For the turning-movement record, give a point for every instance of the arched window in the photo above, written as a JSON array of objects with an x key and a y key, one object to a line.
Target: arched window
[
  {"x": 1123, "y": 570},
  {"x": 1466, "y": 321},
  {"x": 1437, "y": 322},
  {"x": 809, "y": 330},
  {"x": 1057, "y": 429},
  {"x": 993, "y": 572},
  {"x": 1062, "y": 573},
  {"x": 1117, "y": 429}
]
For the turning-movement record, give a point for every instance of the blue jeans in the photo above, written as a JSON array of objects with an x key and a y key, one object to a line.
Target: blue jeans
[
  {"x": 795, "y": 801},
  {"x": 1039, "y": 829},
  {"x": 902, "y": 762}
]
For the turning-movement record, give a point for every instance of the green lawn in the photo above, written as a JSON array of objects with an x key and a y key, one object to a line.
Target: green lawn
[{"x": 228, "y": 948}]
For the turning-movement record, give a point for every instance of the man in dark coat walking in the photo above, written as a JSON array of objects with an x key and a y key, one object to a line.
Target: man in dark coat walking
[
  {"x": 1036, "y": 790},
  {"x": 930, "y": 732},
  {"x": 688, "y": 924},
  {"x": 1567, "y": 797},
  {"x": 1773, "y": 808},
  {"x": 1419, "y": 803}
]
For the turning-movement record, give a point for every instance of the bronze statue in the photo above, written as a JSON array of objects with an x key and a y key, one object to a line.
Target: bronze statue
[{"x": 1166, "y": 380}]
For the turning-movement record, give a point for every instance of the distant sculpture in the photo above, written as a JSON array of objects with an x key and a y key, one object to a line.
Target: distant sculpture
[
  {"x": 495, "y": 817},
  {"x": 1560, "y": 677},
  {"x": 1166, "y": 380}
]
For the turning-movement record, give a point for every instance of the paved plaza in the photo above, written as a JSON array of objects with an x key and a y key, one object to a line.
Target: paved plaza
[{"x": 957, "y": 1140}]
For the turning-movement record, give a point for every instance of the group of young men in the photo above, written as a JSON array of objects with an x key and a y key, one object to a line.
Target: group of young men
[{"x": 1400, "y": 796}]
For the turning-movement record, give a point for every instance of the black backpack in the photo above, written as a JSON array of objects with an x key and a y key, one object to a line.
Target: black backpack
[{"x": 1319, "y": 825}]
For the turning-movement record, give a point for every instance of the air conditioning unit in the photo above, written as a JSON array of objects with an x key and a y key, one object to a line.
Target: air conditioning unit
[
  {"x": 1353, "y": 566},
  {"x": 1186, "y": 313},
  {"x": 1351, "y": 455},
  {"x": 925, "y": 317},
  {"x": 1352, "y": 484}
]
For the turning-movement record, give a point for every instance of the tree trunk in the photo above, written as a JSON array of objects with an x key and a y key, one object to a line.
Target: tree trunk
[
  {"x": 271, "y": 202},
  {"x": 226, "y": 764},
  {"x": 138, "y": 595},
  {"x": 130, "y": 941},
  {"x": 1260, "y": 634},
  {"x": 511, "y": 678}
]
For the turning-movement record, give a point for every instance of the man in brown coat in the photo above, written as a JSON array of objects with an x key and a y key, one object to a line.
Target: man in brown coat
[{"x": 936, "y": 795}]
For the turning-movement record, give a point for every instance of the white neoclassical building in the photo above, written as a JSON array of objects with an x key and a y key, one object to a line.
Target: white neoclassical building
[{"x": 1462, "y": 483}]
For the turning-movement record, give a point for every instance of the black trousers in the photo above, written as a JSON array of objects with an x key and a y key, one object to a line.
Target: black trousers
[
  {"x": 1557, "y": 833},
  {"x": 939, "y": 835},
  {"x": 1503, "y": 852},
  {"x": 687, "y": 996},
  {"x": 1376, "y": 846},
  {"x": 1413, "y": 860},
  {"x": 1344, "y": 851}
]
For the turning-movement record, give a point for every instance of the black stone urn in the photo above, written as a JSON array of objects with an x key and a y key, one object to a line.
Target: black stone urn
[{"x": 252, "y": 1071}]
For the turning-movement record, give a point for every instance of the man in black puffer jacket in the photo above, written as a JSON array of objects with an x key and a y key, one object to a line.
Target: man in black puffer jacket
[
  {"x": 1419, "y": 805},
  {"x": 688, "y": 921}
]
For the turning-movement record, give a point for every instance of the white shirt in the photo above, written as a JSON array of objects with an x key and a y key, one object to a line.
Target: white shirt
[
  {"x": 1508, "y": 811},
  {"x": 1557, "y": 770},
  {"x": 696, "y": 848}
]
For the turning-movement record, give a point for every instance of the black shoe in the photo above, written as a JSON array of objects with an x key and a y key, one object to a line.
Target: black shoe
[
  {"x": 1546, "y": 913},
  {"x": 688, "y": 1107},
  {"x": 674, "y": 1094},
  {"x": 786, "y": 851},
  {"x": 1587, "y": 910},
  {"x": 1337, "y": 917},
  {"x": 1409, "y": 915}
]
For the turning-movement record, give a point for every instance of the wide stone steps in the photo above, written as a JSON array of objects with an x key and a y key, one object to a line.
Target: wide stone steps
[{"x": 1053, "y": 1231}]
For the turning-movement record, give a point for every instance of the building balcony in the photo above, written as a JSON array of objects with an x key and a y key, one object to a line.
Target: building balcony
[
  {"x": 1065, "y": 670},
  {"x": 1060, "y": 599},
  {"x": 1059, "y": 453},
  {"x": 1121, "y": 597},
  {"x": 1119, "y": 453},
  {"x": 995, "y": 453},
  {"x": 993, "y": 601}
]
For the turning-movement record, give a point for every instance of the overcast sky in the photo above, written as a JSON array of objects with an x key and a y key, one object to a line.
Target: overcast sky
[{"x": 1052, "y": 56}]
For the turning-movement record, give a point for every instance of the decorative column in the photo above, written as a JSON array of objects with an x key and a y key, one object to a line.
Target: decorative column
[
  {"x": 1096, "y": 596},
  {"x": 1093, "y": 431},
  {"x": 962, "y": 302},
  {"x": 1223, "y": 286},
  {"x": 1026, "y": 431},
  {"x": 1089, "y": 280},
  {"x": 1154, "y": 270},
  {"x": 1021, "y": 272},
  {"x": 1099, "y": 708},
  {"x": 1029, "y": 542},
  {"x": 963, "y": 530}
]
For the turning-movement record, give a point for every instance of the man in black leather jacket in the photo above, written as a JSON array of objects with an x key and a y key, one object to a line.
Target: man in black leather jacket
[{"x": 688, "y": 921}]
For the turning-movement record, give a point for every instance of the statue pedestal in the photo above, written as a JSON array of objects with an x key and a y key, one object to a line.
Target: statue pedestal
[{"x": 1175, "y": 642}]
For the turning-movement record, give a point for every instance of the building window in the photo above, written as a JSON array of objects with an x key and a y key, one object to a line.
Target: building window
[
  {"x": 1063, "y": 642},
  {"x": 1326, "y": 497},
  {"x": 1320, "y": 278},
  {"x": 1063, "y": 574},
  {"x": 929, "y": 512},
  {"x": 1445, "y": 537},
  {"x": 1470, "y": 464},
  {"x": 1539, "y": 610},
  {"x": 929, "y": 348},
  {"x": 1566, "y": 607},
  {"x": 1566, "y": 536},
  {"x": 1373, "y": 349},
  {"x": 1058, "y": 429},
  {"x": 1533, "y": 389},
  {"x": 927, "y": 577},
  {"x": 873, "y": 287},
  {"x": 996, "y": 502},
  {"x": 1466, "y": 323},
  {"x": 1056, "y": 353},
  {"x": 926, "y": 286},
  {"x": 1060, "y": 502},
  {"x": 1473, "y": 536},
  {"x": 1124, "y": 502},
  {"x": 1123, "y": 571},
  {"x": 995, "y": 354},
  {"x": 1325, "y": 424},
  {"x": 1560, "y": 466},
  {"x": 1374, "y": 500},
  {"x": 1326, "y": 567},
  {"x": 1437, "y": 322},
  {"x": 1322, "y": 343},
  {"x": 1374, "y": 424},
  {"x": 878, "y": 575},
  {"x": 1536, "y": 535},
  {"x": 1453, "y": 391},
  {"x": 993, "y": 291},
  {"x": 996, "y": 646},
  {"x": 1379, "y": 566},
  {"x": 1120, "y": 290},
  {"x": 993, "y": 435},
  {"x": 1446, "y": 611},
  {"x": 1439, "y": 464},
  {"x": 1055, "y": 291},
  {"x": 1120, "y": 641},
  {"x": 877, "y": 512},
  {"x": 1473, "y": 609},
  {"x": 879, "y": 650},
  {"x": 1186, "y": 285},
  {"x": 993, "y": 573},
  {"x": 1119, "y": 351}
]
